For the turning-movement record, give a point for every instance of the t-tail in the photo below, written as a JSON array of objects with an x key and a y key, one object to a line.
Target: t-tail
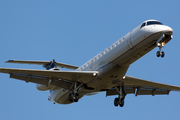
[{"x": 50, "y": 65}]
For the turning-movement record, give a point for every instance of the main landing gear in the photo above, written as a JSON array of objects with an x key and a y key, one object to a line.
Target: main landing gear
[
  {"x": 74, "y": 96},
  {"x": 120, "y": 99}
]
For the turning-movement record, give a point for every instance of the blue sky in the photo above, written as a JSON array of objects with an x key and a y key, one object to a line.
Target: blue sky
[{"x": 73, "y": 32}]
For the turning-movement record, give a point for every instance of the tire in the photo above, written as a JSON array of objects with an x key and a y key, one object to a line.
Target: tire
[
  {"x": 121, "y": 104},
  {"x": 71, "y": 97},
  {"x": 76, "y": 97},
  {"x": 158, "y": 54},
  {"x": 116, "y": 101},
  {"x": 162, "y": 54}
]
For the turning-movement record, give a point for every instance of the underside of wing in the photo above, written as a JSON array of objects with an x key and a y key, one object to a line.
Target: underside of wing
[
  {"x": 131, "y": 81},
  {"x": 56, "y": 78},
  {"x": 143, "y": 87}
]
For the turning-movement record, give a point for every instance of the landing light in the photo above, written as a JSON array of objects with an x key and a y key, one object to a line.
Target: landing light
[{"x": 94, "y": 74}]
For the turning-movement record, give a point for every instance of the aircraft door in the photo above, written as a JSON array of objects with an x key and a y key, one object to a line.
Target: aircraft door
[{"x": 128, "y": 38}]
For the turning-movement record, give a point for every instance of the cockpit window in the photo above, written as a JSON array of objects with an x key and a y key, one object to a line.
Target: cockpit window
[
  {"x": 154, "y": 22},
  {"x": 143, "y": 25}
]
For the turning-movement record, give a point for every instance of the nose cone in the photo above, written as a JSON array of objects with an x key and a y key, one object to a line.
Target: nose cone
[
  {"x": 167, "y": 30},
  {"x": 161, "y": 29}
]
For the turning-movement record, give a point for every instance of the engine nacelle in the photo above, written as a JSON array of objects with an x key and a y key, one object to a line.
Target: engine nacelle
[{"x": 44, "y": 87}]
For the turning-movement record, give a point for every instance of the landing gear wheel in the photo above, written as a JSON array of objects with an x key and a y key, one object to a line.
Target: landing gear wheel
[
  {"x": 76, "y": 97},
  {"x": 162, "y": 54},
  {"x": 121, "y": 103},
  {"x": 158, "y": 53},
  {"x": 116, "y": 102},
  {"x": 71, "y": 95}
]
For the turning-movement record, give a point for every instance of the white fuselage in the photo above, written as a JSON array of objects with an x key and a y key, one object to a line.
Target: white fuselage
[{"x": 113, "y": 62}]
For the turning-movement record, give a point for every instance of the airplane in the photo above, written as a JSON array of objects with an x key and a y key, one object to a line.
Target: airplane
[{"x": 106, "y": 72}]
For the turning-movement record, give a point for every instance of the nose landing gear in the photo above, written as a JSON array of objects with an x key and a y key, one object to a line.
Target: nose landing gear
[
  {"x": 160, "y": 53},
  {"x": 160, "y": 44}
]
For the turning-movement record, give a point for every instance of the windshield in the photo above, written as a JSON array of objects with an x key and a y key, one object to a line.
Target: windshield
[
  {"x": 143, "y": 25},
  {"x": 154, "y": 22}
]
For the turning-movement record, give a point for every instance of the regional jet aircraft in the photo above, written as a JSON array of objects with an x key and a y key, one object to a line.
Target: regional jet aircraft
[{"x": 104, "y": 72}]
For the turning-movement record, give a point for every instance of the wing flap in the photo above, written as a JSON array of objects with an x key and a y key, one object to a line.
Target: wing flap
[
  {"x": 143, "y": 87},
  {"x": 151, "y": 91},
  {"x": 113, "y": 91}
]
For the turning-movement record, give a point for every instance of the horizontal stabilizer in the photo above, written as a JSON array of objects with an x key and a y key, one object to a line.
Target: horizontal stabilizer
[{"x": 62, "y": 65}]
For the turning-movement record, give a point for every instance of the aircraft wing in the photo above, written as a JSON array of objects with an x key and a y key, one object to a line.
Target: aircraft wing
[
  {"x": 57, "y": 77},
  {"x": 143, "y": 87}
]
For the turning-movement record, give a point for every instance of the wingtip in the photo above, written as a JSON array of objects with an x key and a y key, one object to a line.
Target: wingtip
[{"x": 9, "y": 61}]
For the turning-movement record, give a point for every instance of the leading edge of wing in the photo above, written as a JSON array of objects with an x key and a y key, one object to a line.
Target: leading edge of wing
[
  {"x": 132, "y": 81},
  {"x": 80, "y": 76},
  {"x": 42, "y": 63}
]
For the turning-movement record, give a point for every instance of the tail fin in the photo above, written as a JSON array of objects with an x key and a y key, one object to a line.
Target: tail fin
[{"x": 50, "y": 65}]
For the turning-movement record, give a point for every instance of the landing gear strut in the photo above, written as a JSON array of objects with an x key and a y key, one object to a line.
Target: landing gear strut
[
  {"x": 120, "y": 99},
  {"x": 74, "y": 96}
]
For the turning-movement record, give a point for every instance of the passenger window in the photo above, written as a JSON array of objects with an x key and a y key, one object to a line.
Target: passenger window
[
  {"x": 143, "y": 25},
  {"x": 119, "y": 41},
  {"x": 122, "y": 40},
  {"x": 107, "y": 50}
]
